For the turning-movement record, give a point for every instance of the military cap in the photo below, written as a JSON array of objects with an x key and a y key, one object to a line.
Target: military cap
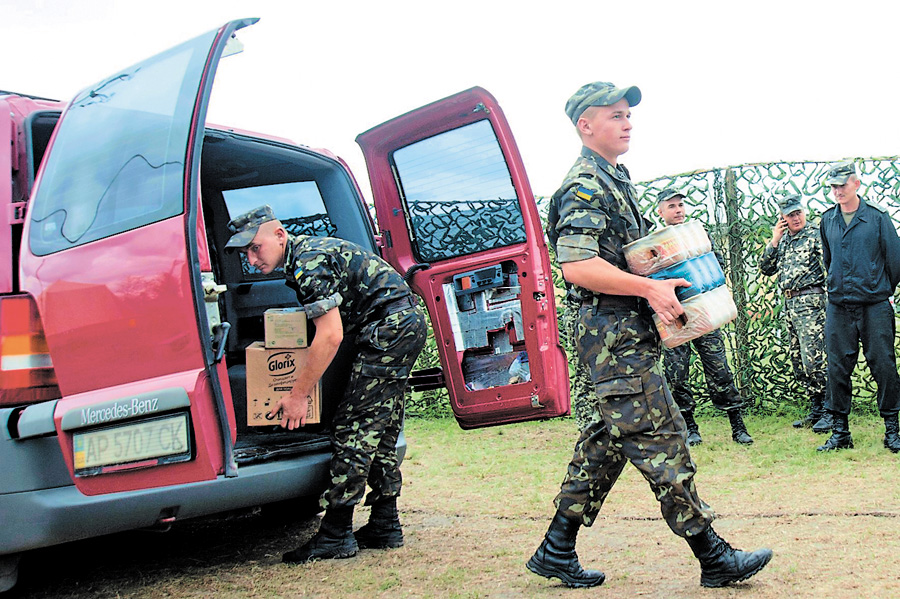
[
  {"x": 789, "y": 203},
  {"x": 667, "y": 194},
  {"x": 244, "y": 227},
  {"x": 599, "y": 93},
  {"x": 839, "y": 173}
]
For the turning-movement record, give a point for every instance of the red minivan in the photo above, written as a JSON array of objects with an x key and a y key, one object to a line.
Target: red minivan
[{"x": 123, "y": 323}]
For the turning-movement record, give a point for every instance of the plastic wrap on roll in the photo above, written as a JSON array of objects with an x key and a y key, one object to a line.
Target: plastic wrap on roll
[
  {"x": 704, "y": 273},
  {"x": 668, "y": 246},
  {"x": 702, "y": 313}
]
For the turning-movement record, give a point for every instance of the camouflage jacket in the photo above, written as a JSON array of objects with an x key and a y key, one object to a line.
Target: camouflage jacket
[
  {"x": 797, "y": 260},
  {"x": 595, "y": 213},
  {"x": 328, "y": 273}
]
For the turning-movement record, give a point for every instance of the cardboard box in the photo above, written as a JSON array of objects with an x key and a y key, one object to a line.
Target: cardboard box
[
  {"x": 270, "y": 375},
  {"x": 285, "y": 327}
]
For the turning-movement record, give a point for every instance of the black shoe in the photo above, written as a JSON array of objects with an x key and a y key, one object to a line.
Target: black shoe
[
  {"x": 334, "y": 540},
  {"x": 823, "y": 425},
  {"x": 840, "y": 434},
  {"x": 383, "y": 531},
  {"x": 720, "y": 564},
  {"x": 738, "y": 430},
  {"x": 693, "y": 430},
  {"x": 892, "y": 433},
  {"x": 556, "y": 557}
]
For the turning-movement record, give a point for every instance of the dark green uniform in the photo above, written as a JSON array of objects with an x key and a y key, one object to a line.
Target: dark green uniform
[
  {"x": 595, "y": 213},
  {"x": 801, "y": 277},
  {"x": 380, "y": 315}
]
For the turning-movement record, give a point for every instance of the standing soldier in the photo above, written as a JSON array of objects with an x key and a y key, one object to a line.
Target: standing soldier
[
  {"x": 347, "y": 292},
  {"x": 861, "y": 252},
  {"x": 711, "y": 349},
  {"x": 597, "y": 213},
  {"x": 797, "y": 260}
]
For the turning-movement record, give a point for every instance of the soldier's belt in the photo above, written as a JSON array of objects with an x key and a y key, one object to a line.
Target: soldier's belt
[
  {"x": 625, "y": 302},
  {"x": 789, "y": 293},
  {"x": 395, "y": 306}
]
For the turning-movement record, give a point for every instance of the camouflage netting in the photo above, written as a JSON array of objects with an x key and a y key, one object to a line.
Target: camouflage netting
[{"x": 736, "y": 204}]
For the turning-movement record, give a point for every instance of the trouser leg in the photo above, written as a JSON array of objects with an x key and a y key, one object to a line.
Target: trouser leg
[
  {"x": 367, "y": 422},
  {"x": 842, "y": 345},
  {"x": 877, "y": 335}
]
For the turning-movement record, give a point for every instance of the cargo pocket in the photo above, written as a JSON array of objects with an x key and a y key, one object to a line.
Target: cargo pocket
[{"x": 623, "y": 406}]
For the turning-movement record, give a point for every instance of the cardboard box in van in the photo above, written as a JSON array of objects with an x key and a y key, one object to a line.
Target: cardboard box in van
[
  {"x": 285, "y": 327},
  {"x": 270, "y": 374}
]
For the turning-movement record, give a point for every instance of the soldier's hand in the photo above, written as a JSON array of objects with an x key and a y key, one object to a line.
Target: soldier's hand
[
  {"x": 778, "y": 231},
  {"x": 294, "y": 410},
  {"x": 663, "y": 300}
]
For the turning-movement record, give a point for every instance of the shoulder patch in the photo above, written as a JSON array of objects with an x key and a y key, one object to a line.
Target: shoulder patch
[{"x": 584, "y": 193}]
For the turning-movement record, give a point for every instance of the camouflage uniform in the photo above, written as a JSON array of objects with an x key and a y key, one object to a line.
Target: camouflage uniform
[
  {"x": 798, "y": 263},
  {"x": 585, "y": 407},
  {"x": 595, "y": 213},
  {"x": 380, "y": 314}
]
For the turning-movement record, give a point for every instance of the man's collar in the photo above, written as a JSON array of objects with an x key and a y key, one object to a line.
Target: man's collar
[{"x": 602, "y": 162}]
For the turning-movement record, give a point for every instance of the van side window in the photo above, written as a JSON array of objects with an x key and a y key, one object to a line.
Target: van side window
[
  {"x": 458, "y": 193},
  {"x": 299, "y": 207},
  {"x": 118, "y": 160}
]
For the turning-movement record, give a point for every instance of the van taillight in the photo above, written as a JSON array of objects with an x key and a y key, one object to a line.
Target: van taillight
[{"x": 26, "y": 370}]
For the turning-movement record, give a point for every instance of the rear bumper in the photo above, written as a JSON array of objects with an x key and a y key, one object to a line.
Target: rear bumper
[{"x": 59, "y": 513}]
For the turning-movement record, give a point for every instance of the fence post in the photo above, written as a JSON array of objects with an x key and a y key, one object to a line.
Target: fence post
[{"x": 737, "y": 274}]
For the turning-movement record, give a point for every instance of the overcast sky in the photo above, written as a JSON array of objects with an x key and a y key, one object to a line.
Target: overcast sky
[{"x": 723, "y": 82}]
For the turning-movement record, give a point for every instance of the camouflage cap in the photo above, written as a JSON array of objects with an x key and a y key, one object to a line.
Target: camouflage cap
[
  {"x": 599, "y": 93},
  {"x": 244, "y": 227},
  {"x": 789, "y": 203},
  {"x": 839, "y": 173},
  {"x": 668, "y": 193}
]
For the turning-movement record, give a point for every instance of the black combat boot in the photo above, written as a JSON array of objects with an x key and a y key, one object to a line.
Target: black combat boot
[
  {"x": 556, "y": 557},
  {"x": 840, "y": 434},
  {"x": 334, "y": 540},
  {"x": 720, "y": 564},
  {"x": 892, "y": 433},
  {"x": 383, "y": 530},
  {"x": 824, "y": 424},
  {"x": 693, "y": 431},
  {"x": 816, "y": 412},
  {"x": 738, "y": 430}
]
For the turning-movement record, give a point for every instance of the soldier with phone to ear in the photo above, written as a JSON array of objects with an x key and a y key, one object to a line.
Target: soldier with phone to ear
[{"x": 795, "y": 255}]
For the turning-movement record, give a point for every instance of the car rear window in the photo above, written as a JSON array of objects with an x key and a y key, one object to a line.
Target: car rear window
[{"x": 298, "y": 205}]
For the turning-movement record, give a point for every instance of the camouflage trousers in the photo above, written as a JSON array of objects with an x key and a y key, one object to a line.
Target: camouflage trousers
[
  {"x": 719, "y": 380},
  {"x": 637, "y": 422},
  {"x": 806, "y": 326},
  {"x": 583, "y": 397},
  {"x": 368, "y": 420}
]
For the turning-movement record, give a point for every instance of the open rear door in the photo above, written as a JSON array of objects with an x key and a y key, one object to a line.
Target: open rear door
[
  {"x": 459, "y": 221},
  {"x": 112, "y": 260}
]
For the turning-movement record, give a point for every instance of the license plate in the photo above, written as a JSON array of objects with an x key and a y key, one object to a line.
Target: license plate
[{"x": 136, "y": 444}]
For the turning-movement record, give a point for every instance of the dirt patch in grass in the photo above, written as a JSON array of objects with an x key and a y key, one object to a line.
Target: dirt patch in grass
[{"x": 477, "y": 503}]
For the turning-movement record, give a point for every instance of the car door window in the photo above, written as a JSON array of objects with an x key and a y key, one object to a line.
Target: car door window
[
  {"x": 458, "y": 193},
  {"x": 99, "y": 181}
]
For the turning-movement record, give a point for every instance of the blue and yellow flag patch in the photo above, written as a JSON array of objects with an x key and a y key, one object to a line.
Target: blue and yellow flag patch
[{"x": 584, "y": 193}]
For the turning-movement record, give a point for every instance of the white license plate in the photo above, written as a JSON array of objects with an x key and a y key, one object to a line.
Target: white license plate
[{"x": 144, "y": 443}]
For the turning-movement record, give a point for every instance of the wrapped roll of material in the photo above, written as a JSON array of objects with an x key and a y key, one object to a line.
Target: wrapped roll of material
[
  {"x": 704, "y": 273},
  {"x": 702, "y": 313},
  {"x": 668, "y": 246}
]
